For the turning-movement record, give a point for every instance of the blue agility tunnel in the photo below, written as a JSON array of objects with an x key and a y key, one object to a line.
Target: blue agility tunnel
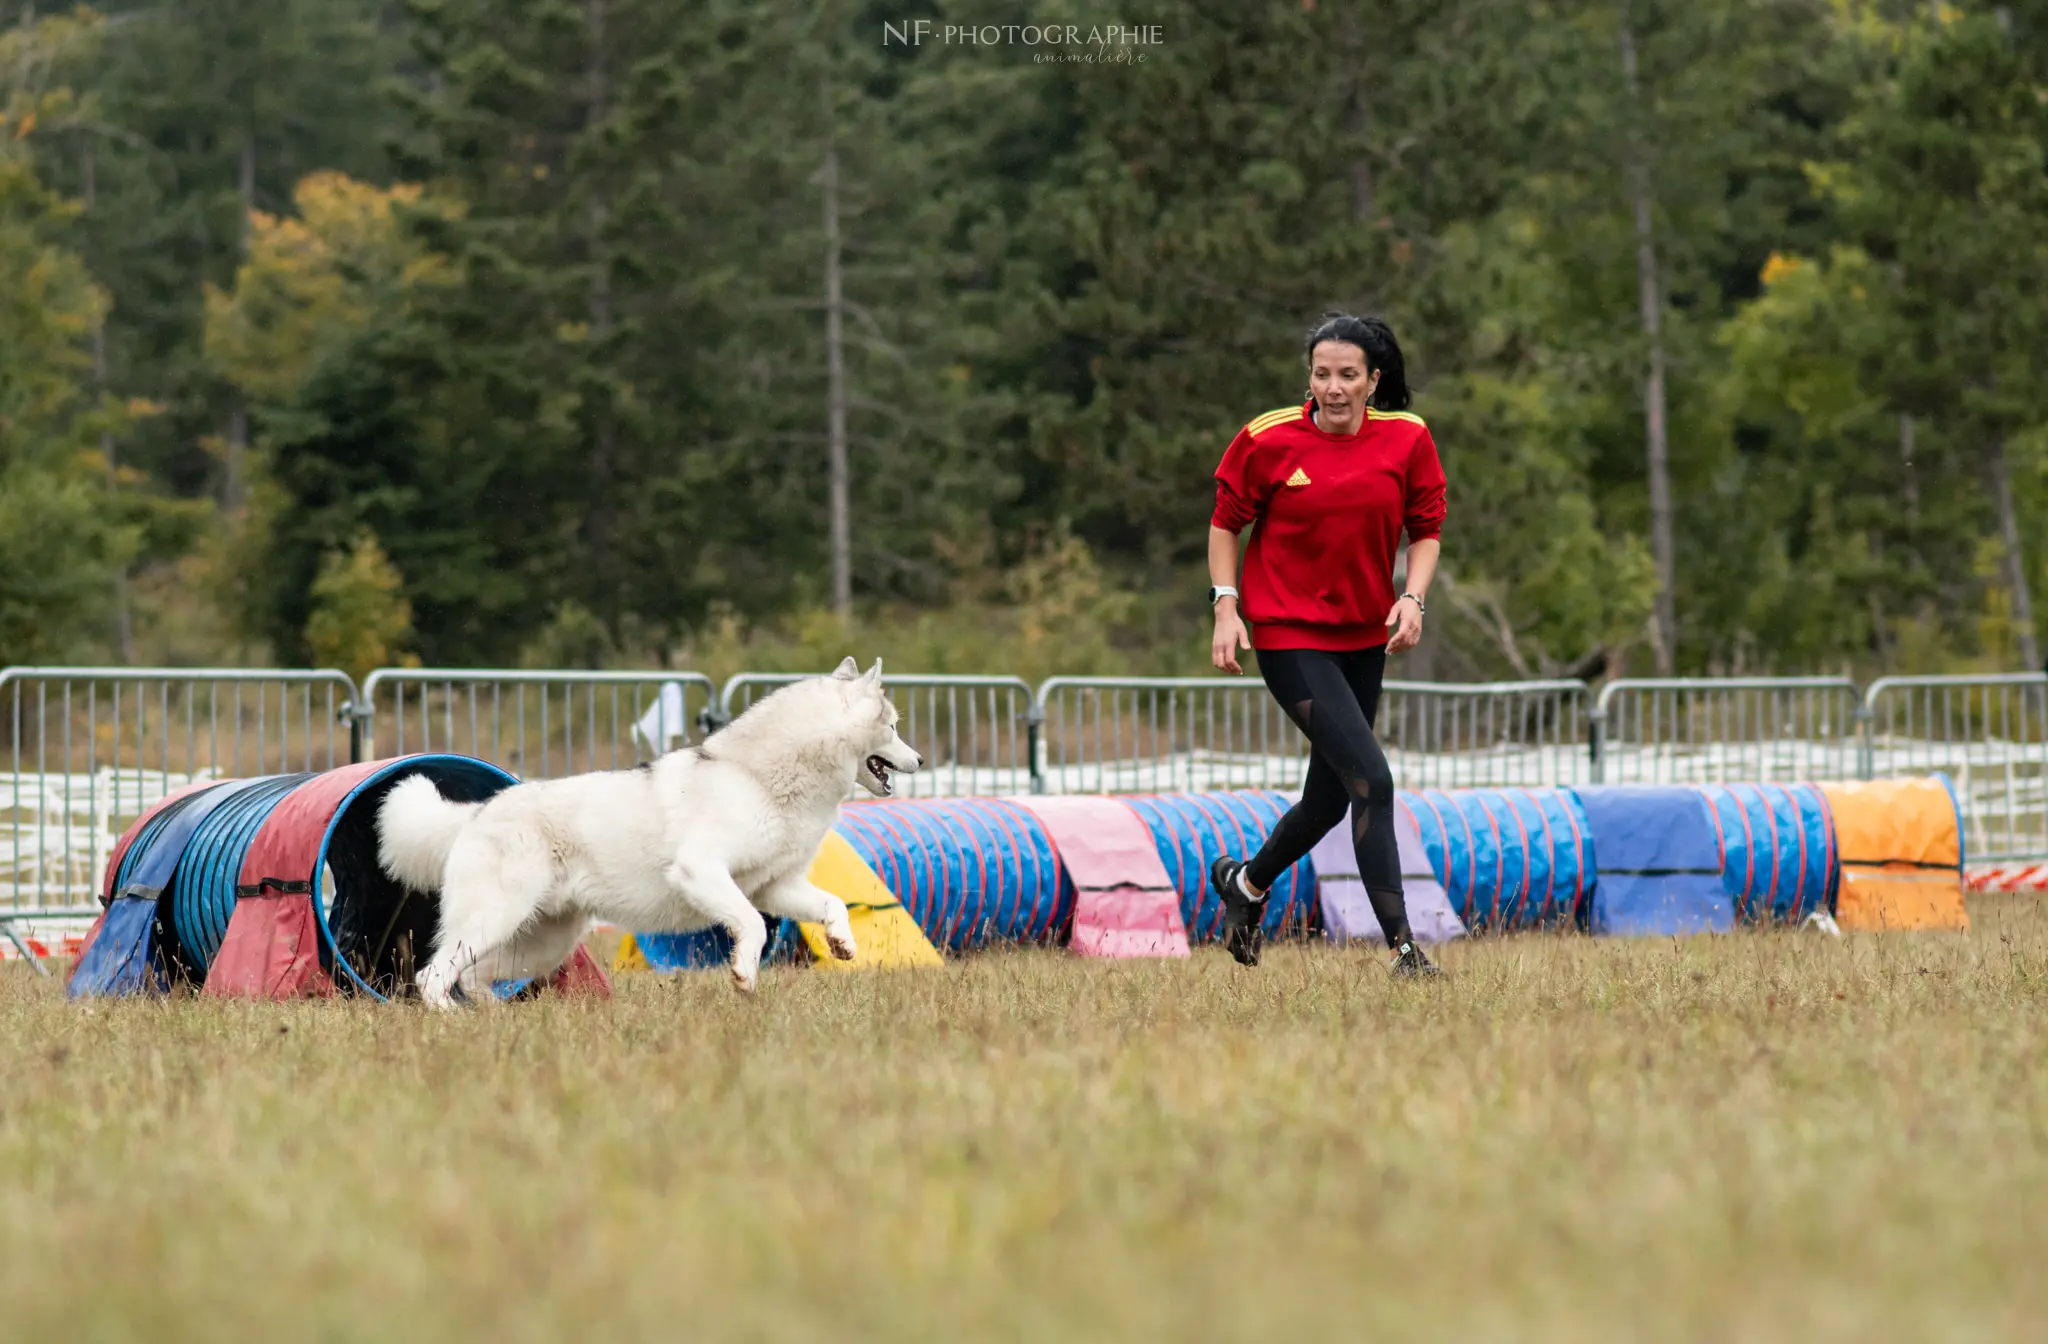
[
  {"x": 970, "y": 870},
  {"x": 130, "y": 953},
  {"x": 1509, "y": 859},
  {"x": 203, "y": 897},
  {"x": 1191, "y": 830},
  {"x": 1778, "y": 849},
  {"x": 1660, "y": 869}
]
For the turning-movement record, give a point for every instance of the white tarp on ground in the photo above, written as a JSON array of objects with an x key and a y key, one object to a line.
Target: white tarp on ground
[{"x": 57, "y": 830}]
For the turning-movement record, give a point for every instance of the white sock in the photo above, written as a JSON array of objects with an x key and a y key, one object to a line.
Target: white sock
[{"x": 1244, "y": 888}]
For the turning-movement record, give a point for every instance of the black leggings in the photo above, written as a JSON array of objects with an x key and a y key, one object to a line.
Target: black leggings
[{"x": 1333, "y": 698}]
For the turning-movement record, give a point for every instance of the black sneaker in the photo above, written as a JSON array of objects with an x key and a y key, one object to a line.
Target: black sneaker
[
  {"x": 1410, "y": 964},
  {"x": 1242, "y": 916}
]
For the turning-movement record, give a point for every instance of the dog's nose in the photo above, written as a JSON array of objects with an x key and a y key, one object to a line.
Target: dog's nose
[{"x": 920, "y": 760}]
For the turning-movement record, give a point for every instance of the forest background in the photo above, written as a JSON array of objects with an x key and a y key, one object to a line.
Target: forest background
[{"x": 709, "y": 334}]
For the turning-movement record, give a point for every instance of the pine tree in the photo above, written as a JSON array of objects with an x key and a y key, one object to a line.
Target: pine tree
[{"x": 61, "y": 541}]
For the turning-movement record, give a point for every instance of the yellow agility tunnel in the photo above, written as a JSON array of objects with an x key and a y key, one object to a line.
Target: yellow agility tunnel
[
  {"x": 1901, "y": 848},
  {"x": 884, "y": 934}
]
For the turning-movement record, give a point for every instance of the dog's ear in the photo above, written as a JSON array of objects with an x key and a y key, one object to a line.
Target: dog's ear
[
  {"x": 874, "y": 674},
  {"x": 847, "y": 669}
]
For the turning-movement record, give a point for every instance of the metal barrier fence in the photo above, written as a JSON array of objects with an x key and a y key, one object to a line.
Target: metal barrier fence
[
  {"x": 1718, "y": 730},
  {"x": 1989, "y": 733},
  {"x": 90, "y": 748},
  {"x": 537, "y": 725},
  {"x": 1147, "y": 735},
  {"x": 974, "y": 732}
]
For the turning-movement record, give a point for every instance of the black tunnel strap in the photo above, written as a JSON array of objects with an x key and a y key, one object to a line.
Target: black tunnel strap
[
  {"x": 276, "y": 884},
  {"x": 1929, "y": 864}
]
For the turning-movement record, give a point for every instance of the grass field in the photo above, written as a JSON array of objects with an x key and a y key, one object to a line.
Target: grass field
[{"x": 1753, "y": 1137}]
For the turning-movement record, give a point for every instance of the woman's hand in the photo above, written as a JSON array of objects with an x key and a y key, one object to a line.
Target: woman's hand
[
  {"x": 1405, "y": 619},
  {"x": 1229, "y": 638}
]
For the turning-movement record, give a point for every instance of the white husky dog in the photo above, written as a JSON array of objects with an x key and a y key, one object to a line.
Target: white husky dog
[{"x": 713, "y": 834}]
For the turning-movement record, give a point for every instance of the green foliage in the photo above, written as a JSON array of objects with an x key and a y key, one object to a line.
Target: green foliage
[
  {"x": 534, "y": 295},
  {"x": 60, "y": 542},
  {"x": 360, "y": 619},
  {"x": 1919, "y": 328}
]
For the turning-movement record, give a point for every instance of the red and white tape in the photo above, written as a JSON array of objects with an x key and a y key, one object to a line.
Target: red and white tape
[
  {"x": 2009, "y": 877},
  {"x": 46, "y": 939},
  {"x": 70, "y": 945}
]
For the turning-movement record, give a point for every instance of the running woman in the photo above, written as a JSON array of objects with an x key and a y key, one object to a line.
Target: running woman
[{"x": 1331, "y": 483}]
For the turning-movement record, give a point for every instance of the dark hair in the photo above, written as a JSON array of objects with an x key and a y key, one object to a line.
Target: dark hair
[{"x": 1382, "y": 352}]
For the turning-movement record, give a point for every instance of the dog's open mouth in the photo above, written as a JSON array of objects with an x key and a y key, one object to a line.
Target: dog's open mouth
[{"x": 878, "y": 770}]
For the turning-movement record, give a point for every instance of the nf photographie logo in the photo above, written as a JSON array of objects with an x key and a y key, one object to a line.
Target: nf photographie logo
[{"x": 1112, "y": 43}]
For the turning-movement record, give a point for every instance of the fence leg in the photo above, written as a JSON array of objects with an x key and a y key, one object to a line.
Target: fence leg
[
  {"x": 28, "y": 954},
  {"x": 1034, "y": 741},
  {"x": 358, "y": 723},
  {"x": 1866, "y": 749}
]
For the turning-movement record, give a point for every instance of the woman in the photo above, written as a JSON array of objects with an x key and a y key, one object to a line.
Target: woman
[{"x": 1331, "y": 483}]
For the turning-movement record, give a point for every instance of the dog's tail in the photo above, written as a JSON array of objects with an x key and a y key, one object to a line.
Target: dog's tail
[{"x": 416, "y": 827}]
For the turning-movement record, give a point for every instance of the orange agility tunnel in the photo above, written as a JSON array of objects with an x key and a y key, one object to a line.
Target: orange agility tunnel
[{"x": 1900, "y": 843}]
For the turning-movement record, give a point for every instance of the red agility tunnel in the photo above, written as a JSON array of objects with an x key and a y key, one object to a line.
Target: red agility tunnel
[
  {"x": 315, "y": 912},
  {"x": 270, "y": 888}
]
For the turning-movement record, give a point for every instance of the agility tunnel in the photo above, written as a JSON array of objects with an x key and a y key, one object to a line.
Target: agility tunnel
[
  {"x": 1507, "y": 859},
  {"x": 1345, "y": 906},
  {"x": 1192, "y": 830},
  {"x": 1660, "y": 869},
  {"x": 964, "y": 873},
  {"x": 1071, "y": 871},
  {"x": 270, "y": 888},
  {"x": 884, "y": 934},
  {"x": 1777, "y": 850},
  {"x": 970, "y": 871},
  {"x": 1621, "y": 861},
  {"x": 1901, "y": 854},
  {"x": 129, "y": 948}
]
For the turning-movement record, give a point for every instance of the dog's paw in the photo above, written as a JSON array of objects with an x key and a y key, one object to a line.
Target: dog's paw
[
  {"x": 439, "y": 997},
  {"x": 744, "y": 983},
  {"x": 841, "y": 943}
]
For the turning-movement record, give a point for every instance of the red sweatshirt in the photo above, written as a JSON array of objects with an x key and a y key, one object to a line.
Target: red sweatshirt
[{"x": 1319, "y": 573}]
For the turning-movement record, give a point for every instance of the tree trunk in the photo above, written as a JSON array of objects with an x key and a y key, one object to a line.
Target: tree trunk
[
  {"x": 1358, "y": 122},
  {"x": 598, "y": 520},
  {"x": 835, "y": 375},
  {"x": 1358, "y": 125},
  {"x": 124, "y": 629},
  {"x": 238, "y": 419},
  {"x": 1648, "y": 290},
  {"x": 1912, "y": 477},
  {"x": 2015, "y": 557}
]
